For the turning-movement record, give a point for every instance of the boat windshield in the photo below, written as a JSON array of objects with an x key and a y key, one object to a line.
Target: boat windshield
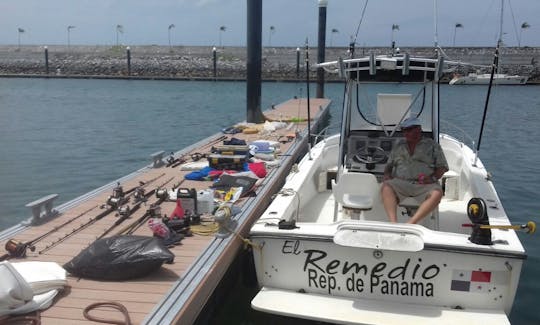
[{"x": 382, "y": 106}]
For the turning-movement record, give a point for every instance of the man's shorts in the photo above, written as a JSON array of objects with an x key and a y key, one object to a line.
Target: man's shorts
[{"x": 405, "y": 189}]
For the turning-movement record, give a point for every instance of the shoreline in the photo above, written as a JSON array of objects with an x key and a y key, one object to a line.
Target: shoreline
[{"x": 279, "y": 64}]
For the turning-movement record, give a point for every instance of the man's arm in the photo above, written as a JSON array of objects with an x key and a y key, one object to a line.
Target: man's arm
[{"x": 388, "y": 171}]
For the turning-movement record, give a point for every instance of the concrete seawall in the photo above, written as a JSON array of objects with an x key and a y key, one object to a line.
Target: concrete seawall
[{"x": 196, "y": 62}]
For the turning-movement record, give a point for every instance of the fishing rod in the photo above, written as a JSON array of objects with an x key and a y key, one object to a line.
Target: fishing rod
[
  {"x": 493, "y": 68},
  {"x": 131, "y": 228},
  {"x": 529, "y": 227},
  {"x": 173, "y": 162},
  {"x": 125, "y": 211},
  {"x": 17, "y": 248},
  {"x": 142, "y": 184},
  {"x": 113, "y": 202},
  {"x": 308, "y": 108}
]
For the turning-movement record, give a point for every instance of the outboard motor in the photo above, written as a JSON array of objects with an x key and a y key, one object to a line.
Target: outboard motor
[{"x": 477, "y": 212}]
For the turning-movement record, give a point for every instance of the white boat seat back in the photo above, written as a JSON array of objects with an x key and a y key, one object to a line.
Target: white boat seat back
[
  {"x": 356, "y": 190},
  {"x": 393, "y": 108}
]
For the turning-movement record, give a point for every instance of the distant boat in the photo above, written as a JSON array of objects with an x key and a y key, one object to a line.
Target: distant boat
[{"x": 483, "y": 79}]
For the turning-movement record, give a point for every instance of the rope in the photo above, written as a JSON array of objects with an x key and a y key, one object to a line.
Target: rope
[
  {"x": 205, "y": 228},
  {"x": 23, "y": 319},
  {"x": 112, "y": 304}
]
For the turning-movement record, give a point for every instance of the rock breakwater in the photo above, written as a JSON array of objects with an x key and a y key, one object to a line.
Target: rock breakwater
[{"x": 197, "y": 62}]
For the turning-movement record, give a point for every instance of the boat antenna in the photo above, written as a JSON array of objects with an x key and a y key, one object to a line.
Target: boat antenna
[
  {"x": 353, "y": 40},
  {"x": 308, "y": 106},
  {"x": 493, "y": 69},
  {"x": 436, "y": 37}
]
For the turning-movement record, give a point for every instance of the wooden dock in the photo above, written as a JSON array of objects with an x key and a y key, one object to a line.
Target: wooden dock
[{"x": 177, "y": 292}]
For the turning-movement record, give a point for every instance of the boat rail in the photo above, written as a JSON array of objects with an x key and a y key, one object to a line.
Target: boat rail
[{"x": 464, "y": 136}]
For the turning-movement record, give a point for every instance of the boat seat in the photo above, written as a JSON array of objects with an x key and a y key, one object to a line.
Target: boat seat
[
  {"x": 355, "y": 192},
  {"x": 410, "y": 205}
]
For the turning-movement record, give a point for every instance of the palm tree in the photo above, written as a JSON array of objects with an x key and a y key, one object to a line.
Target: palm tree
[
  {"x": 272, "y": 31},
  {"x": 119, "y": 30},
  {"x": 525, "y": 25},
  {"x": 221, "y": 30},
  {"x": 456, "y": 26},
  {"x": 171, "y": 26},
  {"x": 69, "y": 28},
  {"x": 20, "y": 30},
  {"x": 334, "y": 31}
]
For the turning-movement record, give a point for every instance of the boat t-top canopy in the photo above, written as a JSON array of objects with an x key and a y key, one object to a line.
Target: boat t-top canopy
[{"x": 403, "y": 68}]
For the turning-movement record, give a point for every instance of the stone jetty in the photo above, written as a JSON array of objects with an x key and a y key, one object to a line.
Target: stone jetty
[{"x": 197, "y": 62}]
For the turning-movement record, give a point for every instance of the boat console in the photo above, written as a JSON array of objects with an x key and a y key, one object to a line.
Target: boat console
[{"x": 368, "y": 151}]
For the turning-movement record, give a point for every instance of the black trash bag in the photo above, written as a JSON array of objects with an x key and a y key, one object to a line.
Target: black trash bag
[{"x": 120, "y": 258}]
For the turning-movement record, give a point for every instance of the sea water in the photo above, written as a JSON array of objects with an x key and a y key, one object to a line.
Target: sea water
[{"x": 71, "y": 136}]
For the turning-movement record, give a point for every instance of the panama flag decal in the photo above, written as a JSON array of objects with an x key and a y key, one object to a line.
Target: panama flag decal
[{"x": 477, "y": 281}]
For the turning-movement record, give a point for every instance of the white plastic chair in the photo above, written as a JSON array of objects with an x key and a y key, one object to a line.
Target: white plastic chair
[{"x": 355, "y": 191}]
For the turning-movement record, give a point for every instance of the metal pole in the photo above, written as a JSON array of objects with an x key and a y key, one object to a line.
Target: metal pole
[
  {"x": 214, "y": 60},
  {"x": 297, "y": 63},
  {"x": 321, "y": 47},
  {"x": 128, "y": 53},
  {"x": 254, "y": 54},
  {"x": 46, "y": 60}
]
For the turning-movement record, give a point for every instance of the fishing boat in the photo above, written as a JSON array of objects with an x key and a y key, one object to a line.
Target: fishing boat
[
  {"x": 324, "y": 249},
  {"x": 483, "y": 79}
]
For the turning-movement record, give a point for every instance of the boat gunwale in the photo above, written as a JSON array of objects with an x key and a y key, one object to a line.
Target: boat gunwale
[{"x": 427, "y": 246}]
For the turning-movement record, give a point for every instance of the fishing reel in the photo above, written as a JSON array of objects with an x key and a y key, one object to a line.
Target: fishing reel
[
  {"x": 477, "y": 212},
  {"x": 117, "y": 197},
  {"x": 124, "y": 210},
  {"x": 154, "y": 211},
  {"x": 16, "y": 248},
  {"x": 162, "y": 193},
  {"x": 139, "y": 194}
]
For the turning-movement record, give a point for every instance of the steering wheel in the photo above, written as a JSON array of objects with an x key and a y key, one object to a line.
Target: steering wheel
[{"x": 370, "y": 155}]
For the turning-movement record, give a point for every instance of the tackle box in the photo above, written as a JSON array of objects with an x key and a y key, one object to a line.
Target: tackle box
[
  {"x": 233, "y": 162},
  {"x": 231, "y": 150}
]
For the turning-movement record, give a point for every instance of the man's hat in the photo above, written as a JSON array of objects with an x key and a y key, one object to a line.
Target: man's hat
[{"x": 409, "y": 122}]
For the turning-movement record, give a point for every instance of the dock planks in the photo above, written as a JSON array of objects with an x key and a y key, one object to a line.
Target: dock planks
[{"x": 176, "y": 292}]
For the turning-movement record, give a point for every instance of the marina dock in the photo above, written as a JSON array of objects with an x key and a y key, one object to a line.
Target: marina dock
[{"x": 177, "y": 292}]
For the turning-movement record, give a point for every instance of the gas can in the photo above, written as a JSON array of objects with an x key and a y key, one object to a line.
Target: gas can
[
  {"x": 188, "y": 199},
  {"x": 205, "y": 201}
]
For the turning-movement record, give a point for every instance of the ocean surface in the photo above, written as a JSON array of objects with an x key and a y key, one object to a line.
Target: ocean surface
[{"x": 72, "y": 136}]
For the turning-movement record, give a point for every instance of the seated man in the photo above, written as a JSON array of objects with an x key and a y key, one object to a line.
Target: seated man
[{"x": 413, "y": 170}]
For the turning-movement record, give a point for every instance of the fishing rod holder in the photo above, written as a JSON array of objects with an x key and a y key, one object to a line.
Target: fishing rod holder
[{"x": 46, "y": 203}]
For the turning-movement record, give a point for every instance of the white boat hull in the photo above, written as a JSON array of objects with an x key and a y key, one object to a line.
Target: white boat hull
[
  {"x": 483, "y": 79},
  {"x": 375, "y": 262}
]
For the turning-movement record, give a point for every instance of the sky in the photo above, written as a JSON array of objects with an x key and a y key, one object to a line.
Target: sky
[{"x": 199, "y": 22}]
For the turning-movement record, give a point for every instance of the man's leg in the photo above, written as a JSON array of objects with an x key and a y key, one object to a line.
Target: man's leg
[
  {"x": 390, "y": 201},
  {"x": 429, "y": 204}
]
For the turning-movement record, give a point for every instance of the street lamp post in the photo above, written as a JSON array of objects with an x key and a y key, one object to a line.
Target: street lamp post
[
  {"x": 272, "y": 30},
  {"x": 221, "y": 30},
  {"x": 394, "y": 28},
  {"x": 69, "y": 28},
  {"x": 525, "y": 25},
  {"x": 171, "y": 26},
  {"x": 456, "y": 26},
  {"x": 334, "y": 31},
  {"x": 119, "y": 30},
  {"x": 20, "y": 31}
]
